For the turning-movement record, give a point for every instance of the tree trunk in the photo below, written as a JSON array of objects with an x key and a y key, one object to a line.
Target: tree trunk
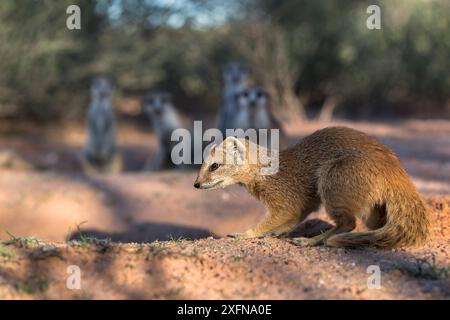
[{"x": 328, "y": 107}]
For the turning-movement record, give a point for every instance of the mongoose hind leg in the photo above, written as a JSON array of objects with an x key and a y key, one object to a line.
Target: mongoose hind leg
[
  {"x": 345, "y": 222},
  {"x": 376, "y": 217},
  {"x": 342, "y": 197},
  {"x": 274, "y": 225}
]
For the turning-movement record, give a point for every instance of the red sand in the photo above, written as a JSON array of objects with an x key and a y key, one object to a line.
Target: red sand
[{"x": 139, "y": 208}]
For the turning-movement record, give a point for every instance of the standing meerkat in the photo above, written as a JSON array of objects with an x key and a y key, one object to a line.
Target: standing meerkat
[
  {"x": 350, "y": 173},
  {"x": 100, "y": 153},
  {"x": 253, "y": 112},
  {"x": 235, "y": 76},
  {"x": 164, "y": 119}
]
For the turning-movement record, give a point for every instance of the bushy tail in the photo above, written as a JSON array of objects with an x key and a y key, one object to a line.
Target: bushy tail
[{"x": 407, "y": 224}]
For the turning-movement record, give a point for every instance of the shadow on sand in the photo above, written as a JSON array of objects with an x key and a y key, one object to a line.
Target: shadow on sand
[{"x": 147, "y": 232}]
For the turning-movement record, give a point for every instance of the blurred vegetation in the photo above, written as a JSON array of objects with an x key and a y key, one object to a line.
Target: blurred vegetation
[{"x": 311, "y": 55}]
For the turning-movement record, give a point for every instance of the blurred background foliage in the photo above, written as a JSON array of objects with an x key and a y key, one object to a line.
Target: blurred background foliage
[{"x": 312, "y": 56}]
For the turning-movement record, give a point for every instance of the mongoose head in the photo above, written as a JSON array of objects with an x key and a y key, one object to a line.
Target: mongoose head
[
  {"x": 101, "y": 88},
  {"x": 155, "y": 104},
  {"x": 235, "y": 161},
  {"x": 235, "y": 73},
  {"x": 224, "y": 165}
]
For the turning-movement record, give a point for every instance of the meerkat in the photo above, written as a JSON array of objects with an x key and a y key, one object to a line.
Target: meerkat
[
  {"x": 351, "y": 174},
  {"x": 164, "y": 119},
  {"x": 235, "y": 76},
  {"x": 253, "y": 112},
  {"x": 100, "y": 153}
]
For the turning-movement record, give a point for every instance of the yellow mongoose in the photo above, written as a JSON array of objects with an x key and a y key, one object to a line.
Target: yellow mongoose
[{"x": 350, "y": 173}]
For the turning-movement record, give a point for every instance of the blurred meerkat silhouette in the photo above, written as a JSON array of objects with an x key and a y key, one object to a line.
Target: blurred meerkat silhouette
[
  {"x": 164, "y": 119},
  {"x": 100, "y": 153},
  {"x": 253, "y": 112},
  {"x": 235, "y": 76}
]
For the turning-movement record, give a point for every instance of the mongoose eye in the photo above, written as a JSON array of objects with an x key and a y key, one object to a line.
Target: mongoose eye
[
  {"x": 259, "y": 94},
  {"x": 245, "y": 94},
  {"x": 214, "y": 167}
]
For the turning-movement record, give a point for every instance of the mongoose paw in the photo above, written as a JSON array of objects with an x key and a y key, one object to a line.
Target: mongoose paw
[
  {"x": 245, "y": 235},
  {"x": 274, "y": 234},
  {"x": 304, "y": 242}
]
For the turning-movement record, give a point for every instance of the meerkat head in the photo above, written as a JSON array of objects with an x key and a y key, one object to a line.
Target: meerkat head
[
  {"x": 235, "y": 73},
  {"x": 252, "y": 99},
  {"x": 155, "y": 104},
  {"x": 101, "y": 88}
]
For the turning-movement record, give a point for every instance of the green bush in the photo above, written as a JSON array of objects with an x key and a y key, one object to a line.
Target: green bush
[{"x": 301, "y": 50}]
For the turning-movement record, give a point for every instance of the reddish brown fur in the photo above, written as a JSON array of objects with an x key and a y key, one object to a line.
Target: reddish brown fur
[{"x": 351, "y": 174}]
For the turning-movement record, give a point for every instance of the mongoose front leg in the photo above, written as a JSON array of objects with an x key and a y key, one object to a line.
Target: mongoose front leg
[{"x": 275, "y": 224}]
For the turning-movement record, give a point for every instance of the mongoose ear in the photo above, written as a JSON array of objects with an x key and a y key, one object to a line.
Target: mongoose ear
[
  {"x": 235, "y": 146},
  {"x": 212, "y": 149}
]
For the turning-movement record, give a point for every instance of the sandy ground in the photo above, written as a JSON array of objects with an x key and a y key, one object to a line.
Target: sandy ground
[{"x": 171, "y": 232}]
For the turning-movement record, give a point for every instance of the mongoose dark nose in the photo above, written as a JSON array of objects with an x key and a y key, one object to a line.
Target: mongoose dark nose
[{"x": 197, "y": 185}]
